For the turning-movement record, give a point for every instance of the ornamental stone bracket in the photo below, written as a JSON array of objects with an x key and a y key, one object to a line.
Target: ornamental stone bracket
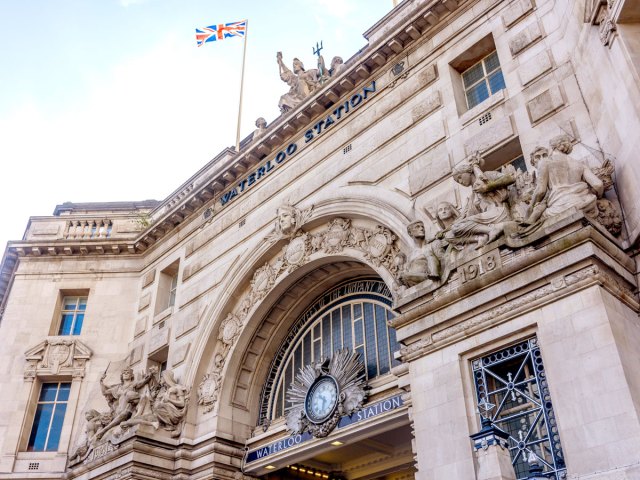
[
  {"x": 57, "y": 356},
  {"x": 600, "y": 13}
]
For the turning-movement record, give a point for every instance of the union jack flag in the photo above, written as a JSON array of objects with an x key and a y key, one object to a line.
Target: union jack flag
[{"x": 221, "y": 31}]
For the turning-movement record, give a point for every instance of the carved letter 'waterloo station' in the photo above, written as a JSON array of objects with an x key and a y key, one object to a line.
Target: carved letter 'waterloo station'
[{"x": 424, "y": 268}]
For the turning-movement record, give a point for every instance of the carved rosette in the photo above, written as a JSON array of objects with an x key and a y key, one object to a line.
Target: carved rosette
[{"x": 57, "y": 356}]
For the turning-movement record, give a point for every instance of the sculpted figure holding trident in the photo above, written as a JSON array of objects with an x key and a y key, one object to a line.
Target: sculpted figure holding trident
[{"x": 301, "y": 83}]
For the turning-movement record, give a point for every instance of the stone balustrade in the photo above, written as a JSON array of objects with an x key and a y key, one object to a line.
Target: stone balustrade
[{"x": 88, "y": 229}]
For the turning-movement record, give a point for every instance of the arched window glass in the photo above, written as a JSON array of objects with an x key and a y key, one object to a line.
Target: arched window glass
[{"x": 354, "y": 316}]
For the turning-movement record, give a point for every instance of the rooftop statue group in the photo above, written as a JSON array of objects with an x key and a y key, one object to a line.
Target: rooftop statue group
[
  {"x": 303, "y": 83},
  {"x": 510, "y": 203},
  {"x": 153, "y": 399}
]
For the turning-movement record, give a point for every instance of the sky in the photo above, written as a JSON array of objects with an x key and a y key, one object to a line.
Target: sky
[{"x": 111, "y": 100}]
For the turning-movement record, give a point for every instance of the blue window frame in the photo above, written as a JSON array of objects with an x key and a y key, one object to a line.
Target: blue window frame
[
  {"x": 72, "y": 316},
  {"x": 483, "y": 80},
  {"x": 49, "y": 417}
]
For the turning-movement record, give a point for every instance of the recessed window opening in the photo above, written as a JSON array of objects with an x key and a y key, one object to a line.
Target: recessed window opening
[{"x": 167, "y": 287}]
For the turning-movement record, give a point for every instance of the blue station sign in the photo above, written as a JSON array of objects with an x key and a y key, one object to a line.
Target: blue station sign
[
  {"x": 366, "y": 413},
  {"x": 340, "y": 112}
]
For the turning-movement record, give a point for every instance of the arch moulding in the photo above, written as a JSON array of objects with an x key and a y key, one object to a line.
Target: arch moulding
[{"x": 364, "y": 230}]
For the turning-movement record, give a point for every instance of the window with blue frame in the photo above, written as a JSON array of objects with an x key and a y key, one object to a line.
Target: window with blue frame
[
  {"x": 483, "y": 80},
  {"x": 72, "y": 315},
  {"x": 49, "y": 417}
]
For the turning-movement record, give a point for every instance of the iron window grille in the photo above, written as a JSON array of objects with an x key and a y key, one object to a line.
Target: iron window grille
[
  {"x": 483, "y": 80},
  {"x": 514, "y": 379}
]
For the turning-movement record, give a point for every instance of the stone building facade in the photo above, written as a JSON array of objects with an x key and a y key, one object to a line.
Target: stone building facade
[{"x": 424, "y": 268}]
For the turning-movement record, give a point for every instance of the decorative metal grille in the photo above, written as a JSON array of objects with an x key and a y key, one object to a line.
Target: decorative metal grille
[{"x": 515, "y": 381}]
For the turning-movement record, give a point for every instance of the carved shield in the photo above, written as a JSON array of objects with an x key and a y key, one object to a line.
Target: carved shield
[
  {"x": 230, "y": 329},
  {"x": 295, "y": 253},
  {"x": 337, "y": 236},
  {"x": 263, "y": 279},
  {"x": 378, "y": 245}
]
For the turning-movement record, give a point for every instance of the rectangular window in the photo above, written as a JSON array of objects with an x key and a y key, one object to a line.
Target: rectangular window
[
  {"x": 514, "y": 383},
  {"x": 49, "y": 417},
  {"x": 172, "y": 290},
  {"x": 483, "y": 80},
  {"x": 167, "y": 287},
  {"x": 72, "y": 315}
]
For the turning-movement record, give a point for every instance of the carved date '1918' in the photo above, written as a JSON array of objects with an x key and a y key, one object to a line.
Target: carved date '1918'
[{"x": 479, "y": 266}]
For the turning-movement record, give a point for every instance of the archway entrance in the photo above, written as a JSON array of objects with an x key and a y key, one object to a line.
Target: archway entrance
[{"x": 370, "y": 440}]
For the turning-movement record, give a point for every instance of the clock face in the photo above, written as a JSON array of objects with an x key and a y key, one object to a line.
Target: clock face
[{"x": 322, "y": 399}]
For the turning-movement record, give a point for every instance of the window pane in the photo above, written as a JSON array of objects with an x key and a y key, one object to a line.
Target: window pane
[
  {"x": 65, "y": 324},
  {"x": 492, "y": 62},
  {"x": 63, "y": 392},
  {"x": 56, "y": 427},
  {"x": 472, "y": 75},
  {"x": 519, "y": 163},
  {"x": 496, "y": 82},
  {"x": 326, "y": 337},
  {"x": 70, "y": 303},
  {"x": 370, "y": 338},
  {"x": 346, "y": 327},
  {"x": 83, "y": 303},
  {"x": 477, "y": 94},
  {"x": 48, "y": 392},
  {"x": 40, "y": 427},
  {"x": 78, "y": 325},
  {"x": 383, "y": 343},
  {"x": 307, "y": 349},
  {"x": 337, "y": 329}
]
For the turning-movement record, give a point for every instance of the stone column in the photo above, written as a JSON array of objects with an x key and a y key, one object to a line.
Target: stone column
[{"x": 492, "y": 453}]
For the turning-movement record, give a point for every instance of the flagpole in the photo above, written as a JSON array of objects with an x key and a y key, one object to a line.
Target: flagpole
[{"x": 244, "y": 56}]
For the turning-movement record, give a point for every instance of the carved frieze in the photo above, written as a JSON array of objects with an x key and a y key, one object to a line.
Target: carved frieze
[
  {"x": 57, "y": 356},
  {"x": 150, "y": 399}
]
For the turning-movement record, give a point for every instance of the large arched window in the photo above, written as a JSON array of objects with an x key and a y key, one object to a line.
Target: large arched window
[{"x": 352, "y": 315}]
